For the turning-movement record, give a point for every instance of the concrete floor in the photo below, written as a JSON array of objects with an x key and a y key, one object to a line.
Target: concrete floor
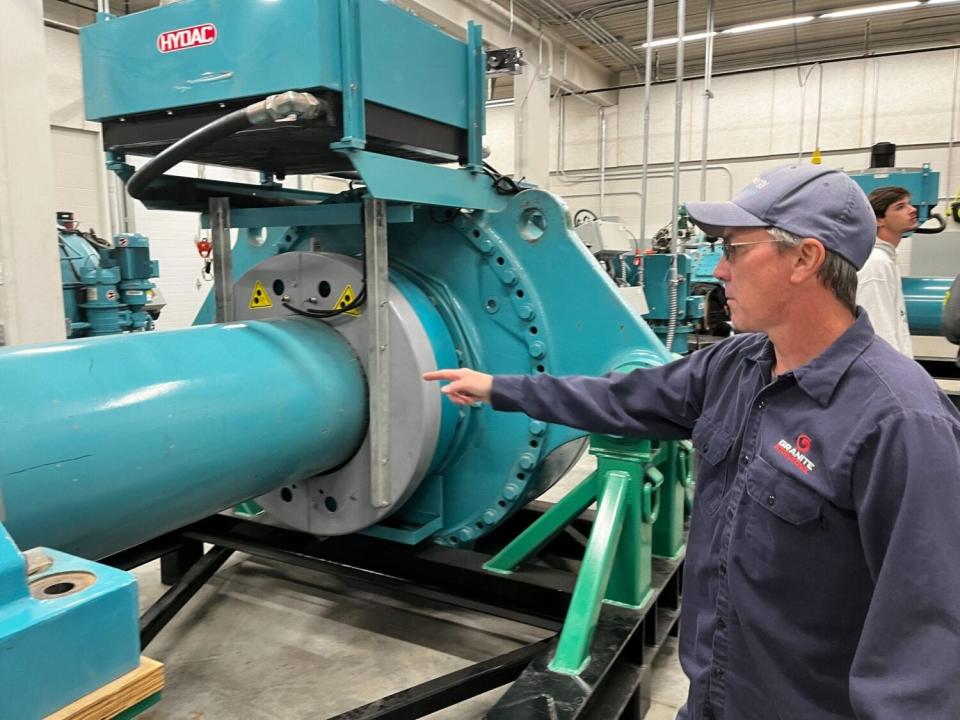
[{"x": 266, "y": 641}]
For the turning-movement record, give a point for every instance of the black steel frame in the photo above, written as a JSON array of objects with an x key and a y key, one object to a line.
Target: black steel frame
[{"x": 615, "y": 685}]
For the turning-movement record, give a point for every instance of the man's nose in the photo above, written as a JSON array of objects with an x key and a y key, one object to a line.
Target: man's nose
[{"x": 722, "y": 270}]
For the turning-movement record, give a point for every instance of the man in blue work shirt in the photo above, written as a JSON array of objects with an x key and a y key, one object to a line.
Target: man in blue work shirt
[{"x": 821, "y": 578}]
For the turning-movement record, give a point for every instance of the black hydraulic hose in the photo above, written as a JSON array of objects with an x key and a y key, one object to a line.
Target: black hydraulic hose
[
  {"x": 275, "y": 107},
  {"x": 185, "y": 147},
  {"x": 941, "y": 226}
]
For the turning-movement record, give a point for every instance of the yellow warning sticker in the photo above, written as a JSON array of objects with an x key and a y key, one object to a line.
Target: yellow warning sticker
[
  {"x": 259, "y": 297},
  {"x": 347, "y": 297}
]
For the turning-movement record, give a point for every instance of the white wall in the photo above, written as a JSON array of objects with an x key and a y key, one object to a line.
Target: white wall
[
  {"x": 754, "y": 125},
  {"x": 77, "y": 157}
]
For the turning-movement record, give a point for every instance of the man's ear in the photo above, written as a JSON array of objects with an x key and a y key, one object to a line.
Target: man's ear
[{"x": 808, "y": 260}]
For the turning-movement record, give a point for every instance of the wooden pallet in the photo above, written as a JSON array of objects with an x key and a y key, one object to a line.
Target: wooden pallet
[{"x": 118, "y": 697}]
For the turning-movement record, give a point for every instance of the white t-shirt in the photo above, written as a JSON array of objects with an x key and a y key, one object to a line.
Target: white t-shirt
[{"x": 879, "y": 292}]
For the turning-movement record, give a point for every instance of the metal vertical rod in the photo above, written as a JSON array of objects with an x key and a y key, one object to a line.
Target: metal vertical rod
[
  {"x": 603, "y": 161},
  {"x": 476, "y": 102},
  {"x": 876, "y": 99},
  {"x": 677, "y": 137},
  {"x": 378, "y": 366},
  {"x": 647, "y": 80},
  {"x": 816, "y": 141},
  {"x": 114, "y": 188},
  {"x": 678, "y": 123},
  {"x": 953, "y": 120},
  {"x": 222, "y": 259},
  {"x": 707, "y": 97},
  {"x": 803, "y": 112},
  {"x": 354, "y": 114}
]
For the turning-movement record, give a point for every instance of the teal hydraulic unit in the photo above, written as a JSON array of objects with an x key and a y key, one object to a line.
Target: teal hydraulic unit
[
  {"x": 300, "y": 385},
  {"x": 672, "y": 316},
  {"x": 106, "y": 287}
]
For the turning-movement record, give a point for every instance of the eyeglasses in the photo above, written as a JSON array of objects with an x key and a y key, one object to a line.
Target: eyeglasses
[{"x": 730, "y": 248}]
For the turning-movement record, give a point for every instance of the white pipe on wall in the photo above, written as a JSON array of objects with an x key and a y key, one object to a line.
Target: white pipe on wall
[
  {"x": 647, "y": 81},
  {"x": 677, "y": 130},
  {"x": 707, "y": 97},
  {"x": 603, "y": 157},
  {"x": 953, "y": 120}
]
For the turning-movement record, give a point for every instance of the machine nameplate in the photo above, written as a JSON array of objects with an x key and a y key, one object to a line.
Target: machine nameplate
[{"x": 185, "y": 38}]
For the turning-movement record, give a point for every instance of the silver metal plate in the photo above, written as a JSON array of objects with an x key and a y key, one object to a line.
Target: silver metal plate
[{"x": 338, "y": 502}]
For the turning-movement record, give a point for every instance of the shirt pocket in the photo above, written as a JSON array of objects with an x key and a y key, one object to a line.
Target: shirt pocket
[
  {"x": 712, "y": 442},
  {"x": 783, "y": 513}
]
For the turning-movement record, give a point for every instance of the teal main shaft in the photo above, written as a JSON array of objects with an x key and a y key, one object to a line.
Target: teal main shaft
[{"x": 107, "y": 442}]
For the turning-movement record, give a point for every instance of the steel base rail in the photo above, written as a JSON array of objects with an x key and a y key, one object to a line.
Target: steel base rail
[{"x": 538, "y": 595}]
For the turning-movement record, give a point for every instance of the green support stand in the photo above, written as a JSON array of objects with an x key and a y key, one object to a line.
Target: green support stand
[
  {"x": 616, "y": 566},
  {"x": 675, "y": 498}
]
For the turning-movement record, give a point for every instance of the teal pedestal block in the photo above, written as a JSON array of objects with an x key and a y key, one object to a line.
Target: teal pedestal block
[{"x": 65, "y": 630}]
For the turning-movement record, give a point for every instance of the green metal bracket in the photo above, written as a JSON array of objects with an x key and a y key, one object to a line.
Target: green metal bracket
[
  {"x": 673, "y": 460},
  {"x": 616, "y": 566}
]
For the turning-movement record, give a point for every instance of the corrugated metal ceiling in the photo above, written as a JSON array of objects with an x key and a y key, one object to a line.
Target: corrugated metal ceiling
[{"x": 612, "y": 31}]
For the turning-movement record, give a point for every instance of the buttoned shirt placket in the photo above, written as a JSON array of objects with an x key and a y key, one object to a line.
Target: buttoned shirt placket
[{"x": 716, "y": 695}]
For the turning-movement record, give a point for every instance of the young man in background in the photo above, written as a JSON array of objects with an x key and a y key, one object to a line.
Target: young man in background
[{"x": 879, "y": 290}]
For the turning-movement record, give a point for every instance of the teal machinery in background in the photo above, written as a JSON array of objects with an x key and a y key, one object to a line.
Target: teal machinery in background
[
  {"x": 316, "y": 317},
  {"x": 924, "y": 296},
  {"x": 106, "y": 287},
  {"x": 698, "y": 304}
]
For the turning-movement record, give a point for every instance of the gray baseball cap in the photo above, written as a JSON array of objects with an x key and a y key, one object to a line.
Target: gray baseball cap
[{"x": 806, "y": 200}]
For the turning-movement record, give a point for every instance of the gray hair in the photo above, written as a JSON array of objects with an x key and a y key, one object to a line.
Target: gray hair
[{"x": 836, "y": 272}]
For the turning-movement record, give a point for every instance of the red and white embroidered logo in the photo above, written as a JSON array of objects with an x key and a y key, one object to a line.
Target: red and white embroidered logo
[
  {"x": 185, "y": 38},
  {"x": 797, "y": 453}
]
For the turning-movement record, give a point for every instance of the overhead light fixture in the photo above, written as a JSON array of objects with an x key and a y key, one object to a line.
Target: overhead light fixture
[
  {"x": 870, "y": 9},
  {"x": 673, "y": 41},
  {"x": 797, "y": 20},
  {"x": 769, "y": 24}
]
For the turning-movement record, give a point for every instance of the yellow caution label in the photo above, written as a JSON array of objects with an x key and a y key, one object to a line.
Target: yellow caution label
[
  {"x": 259, "y": 298},
  {"x": 347, "y": 297}
]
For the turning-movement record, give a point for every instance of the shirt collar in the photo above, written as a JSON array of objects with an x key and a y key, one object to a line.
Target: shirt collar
[
  {"x": 888, "y": 248},
  {"x": 820, "y": 377}
]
